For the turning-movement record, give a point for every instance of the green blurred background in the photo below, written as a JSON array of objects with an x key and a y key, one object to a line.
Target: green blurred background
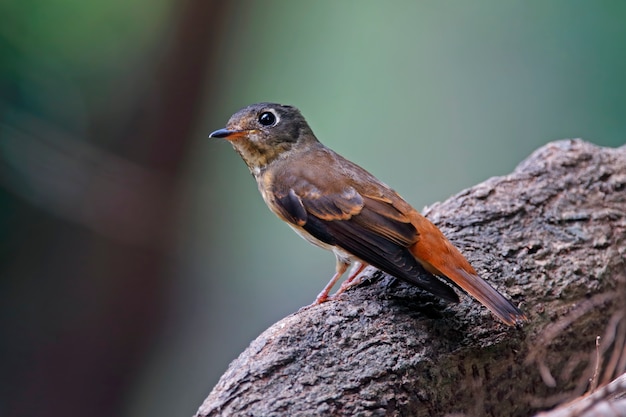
[{"x": 137, "y": 258}]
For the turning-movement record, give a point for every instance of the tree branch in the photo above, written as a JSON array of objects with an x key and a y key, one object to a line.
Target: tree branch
[{"x": 551, "y": 235}]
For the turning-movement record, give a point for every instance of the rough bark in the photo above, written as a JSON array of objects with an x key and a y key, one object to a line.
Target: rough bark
[{"x": 551, "y": 235}]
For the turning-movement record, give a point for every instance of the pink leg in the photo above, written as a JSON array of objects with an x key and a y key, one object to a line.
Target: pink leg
[
  {"x": 340, "y": 269},
  {"x": 351, "y": 281},
  {"x": 356, "y": 270}
]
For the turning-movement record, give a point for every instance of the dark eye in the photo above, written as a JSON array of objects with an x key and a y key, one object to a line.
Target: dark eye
[{"x": 267, "y": 118}]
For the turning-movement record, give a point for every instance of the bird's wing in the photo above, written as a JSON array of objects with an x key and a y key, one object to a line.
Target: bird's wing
[{"x": 367, "y": 223}]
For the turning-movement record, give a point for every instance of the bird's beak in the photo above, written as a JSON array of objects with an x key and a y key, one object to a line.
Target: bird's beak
[{"x": 228, "y": 134}]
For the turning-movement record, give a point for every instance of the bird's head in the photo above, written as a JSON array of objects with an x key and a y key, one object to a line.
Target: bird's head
[{"x": 264, "y": 132}]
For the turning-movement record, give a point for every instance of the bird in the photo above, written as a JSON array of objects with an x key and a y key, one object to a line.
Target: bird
[{"x": 335, "y": 204}]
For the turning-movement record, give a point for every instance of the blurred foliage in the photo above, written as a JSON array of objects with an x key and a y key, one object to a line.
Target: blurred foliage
[
  {"x": 90, "y": 38},
  {"x": 67, "y": 61}
]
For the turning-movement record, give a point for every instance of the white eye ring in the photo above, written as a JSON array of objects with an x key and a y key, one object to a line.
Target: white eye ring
[{"x": 268, "y": 118}]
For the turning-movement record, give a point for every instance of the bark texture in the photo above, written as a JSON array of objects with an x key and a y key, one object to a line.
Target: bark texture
[{"x": 551, "y": 236}]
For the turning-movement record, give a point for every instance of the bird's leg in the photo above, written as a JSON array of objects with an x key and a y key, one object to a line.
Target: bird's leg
[
  {"x": 352, "y": 279},
  {"x": 339, "y": 270}
]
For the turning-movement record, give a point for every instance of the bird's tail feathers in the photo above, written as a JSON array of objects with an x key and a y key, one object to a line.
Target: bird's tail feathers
[{"x": 438, "y": 256}]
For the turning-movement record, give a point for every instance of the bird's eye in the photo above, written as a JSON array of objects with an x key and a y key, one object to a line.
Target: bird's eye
[{"x": 267, "y": 118}]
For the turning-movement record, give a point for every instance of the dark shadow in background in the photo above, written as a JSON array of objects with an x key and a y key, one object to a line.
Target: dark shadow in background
[{"x": 87, "y": 208}]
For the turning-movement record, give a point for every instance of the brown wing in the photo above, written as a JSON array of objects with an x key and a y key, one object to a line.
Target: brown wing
[{"x": 366, "y": 223}]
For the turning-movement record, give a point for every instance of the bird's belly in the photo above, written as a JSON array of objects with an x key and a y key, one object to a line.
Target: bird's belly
[{"x": 340, "y": 253}]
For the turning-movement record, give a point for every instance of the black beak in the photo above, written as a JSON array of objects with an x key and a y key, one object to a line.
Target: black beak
[
  {"x": 221, "y": 133},
  {"x": 229, "y": 134}
]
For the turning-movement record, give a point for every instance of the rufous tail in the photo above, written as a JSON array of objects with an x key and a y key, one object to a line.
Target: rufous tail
[{"x": 439, "y": 257}]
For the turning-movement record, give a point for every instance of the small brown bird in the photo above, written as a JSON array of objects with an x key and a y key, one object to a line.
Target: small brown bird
[{"x": 337, "y": 205}]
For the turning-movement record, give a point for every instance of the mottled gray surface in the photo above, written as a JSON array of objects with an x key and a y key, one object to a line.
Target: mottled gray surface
[{"x": 551, "y": 236}]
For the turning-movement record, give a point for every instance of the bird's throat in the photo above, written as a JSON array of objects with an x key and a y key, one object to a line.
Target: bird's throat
[{"x": 258, "y": 155}]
